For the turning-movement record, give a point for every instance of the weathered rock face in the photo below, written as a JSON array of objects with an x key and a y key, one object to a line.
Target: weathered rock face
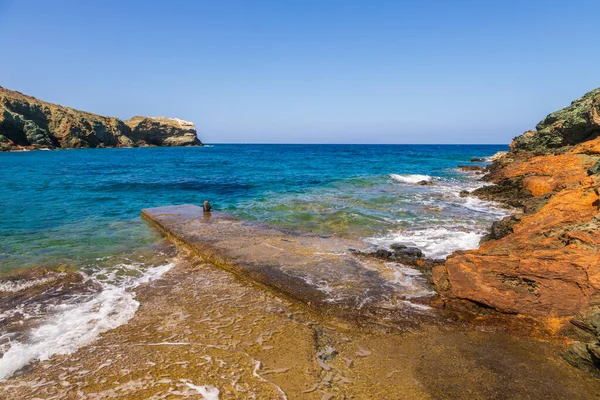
[
  {"x": 544, "y": 263},
  {"x": 26, "y": 122},
  {"x": 161, "y": 131},
  {"x": 572, "y": 125},
  {"x": 548, "y": 263}
]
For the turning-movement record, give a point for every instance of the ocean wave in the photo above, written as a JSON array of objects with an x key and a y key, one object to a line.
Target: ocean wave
[
  {"x": 69, "y": 326},
  {"x": 410, "y": 178},
  {"x": 447, "y": 221},
  {"x": 434, "y": 242}
]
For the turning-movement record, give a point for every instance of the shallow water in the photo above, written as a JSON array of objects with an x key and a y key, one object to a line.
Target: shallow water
[
  {"x": 80, "y": 208},
  {"x": 73, "y": 206}
]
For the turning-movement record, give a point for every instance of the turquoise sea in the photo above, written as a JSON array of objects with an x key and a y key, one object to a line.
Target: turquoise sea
[
  {"x": 73, "y": 206},
  {"x": 81, "y": 208}
]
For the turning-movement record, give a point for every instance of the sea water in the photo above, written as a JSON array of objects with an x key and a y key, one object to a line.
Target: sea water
[{"x": 80, "y": 209}]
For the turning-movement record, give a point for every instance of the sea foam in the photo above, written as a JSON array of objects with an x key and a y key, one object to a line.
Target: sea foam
[
  {"x": 435, "y": 242},
  {"x": 71, "y": 326},
  {"x": 410, "y": 178}
]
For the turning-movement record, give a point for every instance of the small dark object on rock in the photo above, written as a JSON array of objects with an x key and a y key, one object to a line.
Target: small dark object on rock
[
  {"x": 425, "y": 183},
  {"x": 206, "y": 206},
  {"x": 477, "y": 159},
  {"x": 464, "y": 193}
]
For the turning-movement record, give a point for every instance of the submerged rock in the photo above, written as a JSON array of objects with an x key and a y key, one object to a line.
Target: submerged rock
[
  {"x": 29, "y": 123},
  {"x": 401, "y": 250},
  {"x": 470, "y": 168}
]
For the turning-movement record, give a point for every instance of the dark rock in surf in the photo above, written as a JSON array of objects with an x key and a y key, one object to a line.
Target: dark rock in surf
[
  {"x": 412, "y": 252},
  {"x": 502, "y": 228}
]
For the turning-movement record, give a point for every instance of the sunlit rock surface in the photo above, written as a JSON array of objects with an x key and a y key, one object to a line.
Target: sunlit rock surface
[
  {"x": 545, "y": 264},
  {"x": 323, "y": 272},
  {"x": 29, "y": 123}
]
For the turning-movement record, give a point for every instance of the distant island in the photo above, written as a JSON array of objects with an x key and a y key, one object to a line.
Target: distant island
[{"x": 27, "y": 123}]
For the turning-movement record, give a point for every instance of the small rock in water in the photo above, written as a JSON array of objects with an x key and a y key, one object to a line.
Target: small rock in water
[
  {"x": 206, "y": 206},
  {"x": 425, "y": 183},
  {"x": 471, "y": 168},
  {"x": 383, "y": 253},
  {"x": 413, "y": 252},
  {"x": 476, "y": 159},
  {"x": 464, "y": 193}
]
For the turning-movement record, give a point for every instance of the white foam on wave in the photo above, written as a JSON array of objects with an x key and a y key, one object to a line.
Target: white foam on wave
[
  {"x": 71, "y": 326},
  {"x": 207, "y": 392},
  {"x": 435, "y": 242},
  {"x": 410, "y": 178},
  {"x": 461, "y": 224},
  {"x": 13, "y": 287}
]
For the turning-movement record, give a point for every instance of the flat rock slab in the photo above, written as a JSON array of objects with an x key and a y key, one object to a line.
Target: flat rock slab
[{"x": 322, "y": 272}]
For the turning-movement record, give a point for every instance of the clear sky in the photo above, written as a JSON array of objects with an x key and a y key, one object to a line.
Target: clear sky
[{"x": 308, "y": 71}]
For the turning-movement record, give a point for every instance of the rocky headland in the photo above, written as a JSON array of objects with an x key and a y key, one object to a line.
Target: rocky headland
[
  {"x": 27, "y": 123},
  {"x": 543, "y": 262}
]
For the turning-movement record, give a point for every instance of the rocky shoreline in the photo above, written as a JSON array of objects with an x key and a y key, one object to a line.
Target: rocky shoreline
[
  {"x": 499, "y": 325},
  {"x": 27, "y": 123},
  {"x": 543, "y": 263}
]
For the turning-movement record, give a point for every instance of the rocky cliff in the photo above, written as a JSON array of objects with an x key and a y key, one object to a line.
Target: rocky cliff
[
  {"x": 26, "y": 122},
  {"x": 542, "y": 263}
]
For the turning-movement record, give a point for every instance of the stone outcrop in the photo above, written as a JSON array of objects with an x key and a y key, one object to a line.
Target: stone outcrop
[
  {"x": 543, "y": 263},
  {"x": 29, "y": 123},
  {"x": 574, "y": 124}
]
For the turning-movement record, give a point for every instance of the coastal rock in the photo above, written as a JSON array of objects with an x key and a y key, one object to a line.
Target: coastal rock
[
  {"x": 470, "y": 168},
  {"x": 577, "y": 123},
  {"x": 425, "y": 183},
  {"x": 161, "y": 131},
  {"x": 502, "y": 228},
  {"x": 498, "y": 155},
  {"x": 548, "y": 266},
  {"x": 29, "y": 123},
  {"x": 585, "y": 354},
  {"x": 543, "y": 264}
]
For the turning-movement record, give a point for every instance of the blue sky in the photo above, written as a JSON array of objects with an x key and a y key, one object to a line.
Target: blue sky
[{"x": 308, "y": 71}]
